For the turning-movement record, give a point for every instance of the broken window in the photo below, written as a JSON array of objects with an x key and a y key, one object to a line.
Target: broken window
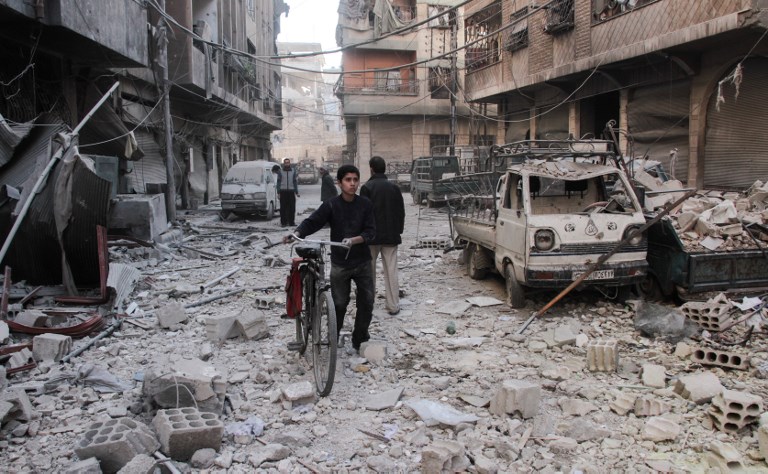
[
  {"x": 440, "y": 82},
  {"x": 560, "y": 15},
  {"x": 481, "y": 33},
  {"x": 517, "y": 38}
]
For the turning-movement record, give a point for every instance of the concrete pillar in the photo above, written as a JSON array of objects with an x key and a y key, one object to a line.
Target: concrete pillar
[
  {"x": 364, "y": 148},
  {"x": 574, "y": 119},
  {"x": 623, "y": 121},
  {"x": 697, "y": 122}
]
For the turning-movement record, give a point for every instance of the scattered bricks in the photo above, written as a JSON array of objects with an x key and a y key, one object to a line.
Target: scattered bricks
[
  {"x": 171, "y": 316},
  {"x": 648, "y": 406},
  {"x": 659, "y": 428},
  {"x": 20, "y": 359},
  {"x": 516, "y": 397},
  {"x": 32, "y": 318},
  {"x": 710, "y": 315},
  {"x": 654, "y": 375},
  {"x": 51, "y": 347},
  {"x": 603, "y": 356},
  {"x": 299, "y": 392},
  {"x": 762, "y": 441},
  {"x": 178, "y": 382},
  {"x": 22, "y": 407},
  {"x": 115, "y": 442},
  {"x": 265, "y": 302},
  {"x": 220, "y": 327},
  {"x": 141, "y": 464},
  {"x": 732, "y": 410},
  {"x": 444, "y": 456},
  {"x": 252, "y": 324},
  {"x": 623, "y": 404},
  {"x": 698, "y": 388},
  {"x": 86, "y": 466},
  {"x": 374, "y": 351},
  {"x": 182, "y": 431},
  {"x": 717, "y": 358}
]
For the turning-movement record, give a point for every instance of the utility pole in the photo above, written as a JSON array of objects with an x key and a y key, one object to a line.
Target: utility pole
[
  {"x": 162, "y": 47},
  {"x": 452, "y": 18}
]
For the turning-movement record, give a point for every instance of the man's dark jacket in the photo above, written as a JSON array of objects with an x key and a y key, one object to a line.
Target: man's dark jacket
[{"x": 388, "y": 207}]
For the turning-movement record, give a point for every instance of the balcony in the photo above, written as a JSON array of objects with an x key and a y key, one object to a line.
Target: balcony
[
  {"x": 386, "y": 83},
  {"x": 560, "y": 17}
]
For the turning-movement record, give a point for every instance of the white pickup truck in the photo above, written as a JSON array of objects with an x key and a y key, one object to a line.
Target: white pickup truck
[{"x": 542, "y": 222}]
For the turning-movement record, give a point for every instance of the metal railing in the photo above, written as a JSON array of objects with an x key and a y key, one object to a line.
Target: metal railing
[{"x": 369, "y": 85}]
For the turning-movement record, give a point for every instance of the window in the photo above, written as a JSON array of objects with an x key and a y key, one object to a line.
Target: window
[
  {"x": 517, "y": 38},
  {"x": 559, "y": 17},
  {"x": 443, "y": 21},
  {"x": 484, "y": 140},
  {"x": 606, "y": 9},
  {"x": 481, "y": 33},
  {"x": 439, "y": 141},
  {"x": 440, "y": 82}
]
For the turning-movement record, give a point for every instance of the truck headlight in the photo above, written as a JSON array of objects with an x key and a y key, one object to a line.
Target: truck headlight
[
  {"x": 637, "y": 238},
  {"x": 544, "y": 239}
]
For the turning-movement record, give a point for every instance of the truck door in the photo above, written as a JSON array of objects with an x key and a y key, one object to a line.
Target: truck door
[{"x": 511, "y": 223}]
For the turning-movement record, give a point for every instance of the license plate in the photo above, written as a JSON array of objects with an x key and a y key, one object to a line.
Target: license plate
[{"x": 596, "y": 275}]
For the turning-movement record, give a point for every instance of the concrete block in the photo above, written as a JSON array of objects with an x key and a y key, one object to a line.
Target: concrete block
[
  {"x": 603, "y": 355},
  {"x": 658, "y": 428},
  {"x": 220, "y": 327},
  {"x": 116, "y": 442},
  {"x": 437, "y": 243},
  {"x": 732, "y": 410},
  {"x": 299, "y": 392},
  {"x": 724, "y": 457},
  {"x": 252, "y": 324},
  {"x": 374, "y": 351},
  {"x": 171, "y": 316},
  {"x": 444, "y": 456},
  {"x": 516, "y": 397},
  {"x": 86, "y": 466},
  {"x": 20, "y": 359},
  {"x": 725, "y": 359},
  {"x": 710, "y": 315},
  {"x": 623, "y": 404},
  {"x": 698, "y": 388},
  {"x": 649, "y": 406},
  {"x": 178, "y": 382},
  {"x": 265, "y": 302},
  {"x": 32, "y": 318},
  {"x": 654, "y": 375},
  {"x": 141, "y": 464},
  {"x": 182, "y": 431},
  {"x": 22, "y": 407},
  {"x": 138, "y": 215},
  {"x": 51, "y": 347}
]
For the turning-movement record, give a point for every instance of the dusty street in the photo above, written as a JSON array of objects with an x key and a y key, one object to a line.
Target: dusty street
[{"x": 581, "y": 420}]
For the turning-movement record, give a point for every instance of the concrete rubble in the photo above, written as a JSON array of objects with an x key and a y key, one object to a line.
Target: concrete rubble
[{"x": 214, "y": 388}]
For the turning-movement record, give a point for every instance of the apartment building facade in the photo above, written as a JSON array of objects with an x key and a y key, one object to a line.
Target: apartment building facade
[
  {"x": 396, "y": 89},
  {"x": 684, "y": 80}
]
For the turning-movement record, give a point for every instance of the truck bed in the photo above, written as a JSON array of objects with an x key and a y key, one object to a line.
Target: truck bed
[{"x": 475, "y": 230}]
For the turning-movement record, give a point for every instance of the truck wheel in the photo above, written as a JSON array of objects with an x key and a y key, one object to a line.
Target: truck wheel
[
  {"x": 477, "y": 262},
  {"x": 416, "y": 197},
  {"x": 515, "y": 292},
  {"x": 270, "y": 211},
  {"x": 649, "y": 288}
]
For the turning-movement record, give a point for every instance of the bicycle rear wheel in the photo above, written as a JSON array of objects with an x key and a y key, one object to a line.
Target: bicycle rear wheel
[
  {"x": 324, "y": 341},
  {"x": 303, "y": 318}
]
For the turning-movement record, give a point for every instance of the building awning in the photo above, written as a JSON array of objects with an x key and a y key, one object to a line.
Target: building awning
[{"x": 105, "y": 133}]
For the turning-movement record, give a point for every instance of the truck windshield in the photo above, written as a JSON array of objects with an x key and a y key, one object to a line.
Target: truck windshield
[
  {"x": 244, "y": 175},
  {"x": 560, "y": 196}
]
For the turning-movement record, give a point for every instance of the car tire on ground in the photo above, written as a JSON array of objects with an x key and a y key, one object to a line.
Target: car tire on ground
[
  {"x": 478, "y": 262},
  {"x": 515, "y": 292}
]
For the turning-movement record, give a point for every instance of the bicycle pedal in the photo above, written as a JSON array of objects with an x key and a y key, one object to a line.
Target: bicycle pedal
[{"x": 294, "y": 346}]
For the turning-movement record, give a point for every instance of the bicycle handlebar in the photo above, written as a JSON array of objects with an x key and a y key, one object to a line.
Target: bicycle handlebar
[{"x": 322, "y": 242}]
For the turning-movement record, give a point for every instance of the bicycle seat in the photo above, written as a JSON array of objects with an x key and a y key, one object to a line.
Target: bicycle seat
[{"x": 309, "y": 250}]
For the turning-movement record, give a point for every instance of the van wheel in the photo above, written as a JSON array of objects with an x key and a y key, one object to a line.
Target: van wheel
[
  {"x": 477, "y": 262},
  {"x": 270, "y": 211},
  {"x": 416, "y": 197},
  {"x": 515, "y": 292}
]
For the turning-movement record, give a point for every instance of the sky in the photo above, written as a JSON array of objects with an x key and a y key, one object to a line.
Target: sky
[{"x": 312, "y": 21}]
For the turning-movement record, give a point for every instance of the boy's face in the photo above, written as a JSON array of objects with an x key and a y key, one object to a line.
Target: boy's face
[{"x": 349, "y": 183}]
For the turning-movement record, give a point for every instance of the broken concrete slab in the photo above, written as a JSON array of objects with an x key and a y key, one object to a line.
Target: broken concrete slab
[
  {"x": 179, "y": 382},
  {"x": 484, "y": 301},
  {"x": 444, "y": 456},
  {"x": 454, "y": 308},
  {"x": 384, "y": 400},
  {"x": 659, "y": 428},
  {"x": 698, "y": 388},
  {"x": 116, "y": 442},
  {"x": 654, "y": 375},
  {"x": 373, "y": 351},
  {"x": 435, "y": 413},
  {"x": 516, "y": 397},
  {"x": 171, "y": 316},
  {"x": 252, "y": 324}
]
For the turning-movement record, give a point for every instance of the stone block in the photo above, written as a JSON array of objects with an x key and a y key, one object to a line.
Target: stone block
[
  {"x": 252, "y": 324},
  {"x": 698, "y": 388},
  {"x": 658, "y": 428},
  {"x": 444, "y": 456},
  {"x": 654, "y": 375},
  {"x": 32, "y": 318},
  {"x": 603, "y": 355},
  {"x": 20, "y": 359},
  {"x": 51, "y": 347},
  {"x": 141, "y": 464},
  {"x": 299, "y": 392},
  {"x": 171, "y": 316},
  {"x": 22, "y": 407},
  {"x": 220, "y": 327},
  {"x": 138, "y": 215},
  {"x": 86, "y": 466},
  {"x": 623, "y": 404},
  {"x": 374, "y": 351},
  {"x": 516, "y": 397},
  {"x": 725, "y": 359},
  {"x": 116, "y": 442},
  {"x": 177, "y": 382},
  {"x": 649, "y": 406},
  {"x": 732, "y": 410},
  {"x": 182, "y": 431},
  {"x": 265, "y": 302}
]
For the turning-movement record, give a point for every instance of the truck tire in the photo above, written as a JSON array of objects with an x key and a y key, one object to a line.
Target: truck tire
[
  {"x": 478, "y": 262},
  {"x": 515, "y": 292},
  {"x": 649, "y": 288}
]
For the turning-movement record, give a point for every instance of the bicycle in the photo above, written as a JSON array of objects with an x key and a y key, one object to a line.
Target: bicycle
[{"x": 314, "y": 310}]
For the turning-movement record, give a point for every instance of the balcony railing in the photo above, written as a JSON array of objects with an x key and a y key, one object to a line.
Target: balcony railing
[
  {"x": 560, "y": 17},
  {"x": 369, "y": 85}
]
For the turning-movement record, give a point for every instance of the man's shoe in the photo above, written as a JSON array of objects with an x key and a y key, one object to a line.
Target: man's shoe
[{"x": 395, "y": 312}]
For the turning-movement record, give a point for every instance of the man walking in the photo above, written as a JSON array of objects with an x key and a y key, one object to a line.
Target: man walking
[
  {"x": 327, "y": 187},
  {"x": 389, "y": 210},
  {"x": 288, "y": 188},
  {"x": 353, "y": 224}
]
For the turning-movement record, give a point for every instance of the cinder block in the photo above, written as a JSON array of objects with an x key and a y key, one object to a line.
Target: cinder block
[
  {"x": 141, "y": 464},
  {"x": 22, "y": 407},
  {"x": 762, "y": 441},
  {"x": 603, "y": 355},
  {"x": 732, "y": 410},
  {"x": 86, "y": 466},
  {"x": 444, "y": 456},
  {"x": 658, "y": 428},
  {"x": 115, "y": 442},
  {"x": 21, "y": 358},
  {"x": 51, "y": 347},
  {"x": 265, "y": 302},
  {"x": 220, "y": 327},
  {"x": 724, "y": 457},
  {"x": 516, "y": 397},
  {"x": 649, "y": 406},
  {"x": 726, "y": 359},
  {"x": 698, "y": 388},
  {"x": 710, "y": 315},
  {"x": 623, "y": 403},
  {"x": 437, "y": 243},
  {"x": 182, "y": 431},
  {"x": 171, "y": 316},
  {"x": 252, "y": 324}
]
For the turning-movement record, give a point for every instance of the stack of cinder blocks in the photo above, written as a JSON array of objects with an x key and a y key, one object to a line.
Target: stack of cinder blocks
[
  {"x": 710, "y": 315},
  {"x": 182, "y": 431},
  {"x": 732, "y": 410},
  {"x": 115, "y": 442}
]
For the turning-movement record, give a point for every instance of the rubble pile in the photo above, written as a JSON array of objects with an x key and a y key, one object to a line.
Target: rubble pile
[{"x": 198, "y": 375}]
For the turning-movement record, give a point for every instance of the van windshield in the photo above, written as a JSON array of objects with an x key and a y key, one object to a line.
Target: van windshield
[{"x": 244, "y": 175}]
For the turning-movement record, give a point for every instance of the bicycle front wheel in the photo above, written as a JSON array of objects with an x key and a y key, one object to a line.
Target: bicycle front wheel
[{"x": 324, "y": 341}]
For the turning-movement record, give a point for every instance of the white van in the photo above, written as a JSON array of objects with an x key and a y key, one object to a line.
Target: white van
[{"x": 249, "y": 188}]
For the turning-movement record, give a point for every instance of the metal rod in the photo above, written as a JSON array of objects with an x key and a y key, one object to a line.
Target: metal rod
[
  {"x": 666, "y": 191},
  {"x": 666, "y": 210},
  {"x": 218, "y": 279},
  {"x": 112, "y": 328}
]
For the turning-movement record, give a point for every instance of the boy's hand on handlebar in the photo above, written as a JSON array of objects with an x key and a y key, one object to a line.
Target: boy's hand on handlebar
[
  {"x": 287, "y": 239},
  {"x": 347, "y": 242}
]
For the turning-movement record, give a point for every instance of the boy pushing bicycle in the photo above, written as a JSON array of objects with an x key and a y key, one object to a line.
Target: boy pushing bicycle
[{"x": 352, "y": 223}]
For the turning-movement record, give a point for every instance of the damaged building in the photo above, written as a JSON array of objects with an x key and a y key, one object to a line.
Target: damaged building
[
  {"x": 683, "y": 80},
  {"x": 61, "y": 58}
]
